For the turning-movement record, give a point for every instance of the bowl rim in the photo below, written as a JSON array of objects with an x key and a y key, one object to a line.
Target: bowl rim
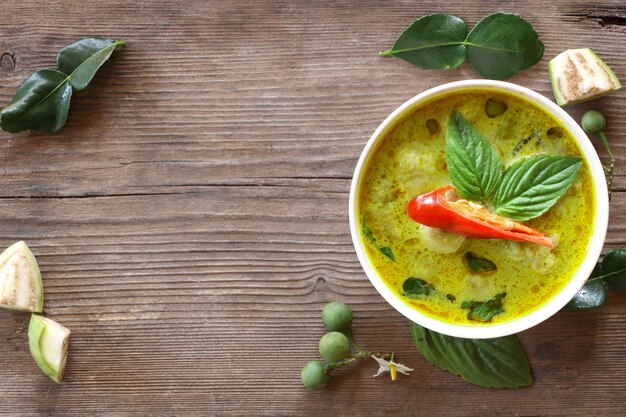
[{"x": 594, "y": 248}]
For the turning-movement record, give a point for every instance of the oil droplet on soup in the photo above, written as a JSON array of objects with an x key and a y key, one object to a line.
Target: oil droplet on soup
[{"x": 410, "y": 161}]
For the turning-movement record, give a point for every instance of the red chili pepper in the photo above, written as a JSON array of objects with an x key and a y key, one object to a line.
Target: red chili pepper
[{"x": 462, "y": 217}]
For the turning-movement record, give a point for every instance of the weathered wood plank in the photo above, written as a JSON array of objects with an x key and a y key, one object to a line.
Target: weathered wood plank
[{"x": 191, "y": 219}]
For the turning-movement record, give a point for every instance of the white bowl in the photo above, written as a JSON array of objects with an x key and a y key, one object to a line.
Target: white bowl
[{"x": 558, "y": 301}]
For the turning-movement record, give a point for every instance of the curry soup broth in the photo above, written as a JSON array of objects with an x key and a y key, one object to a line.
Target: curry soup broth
[{"x": 410, "y": 161}]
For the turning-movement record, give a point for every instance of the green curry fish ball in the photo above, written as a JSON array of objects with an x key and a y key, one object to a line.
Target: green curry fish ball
[
  {"x": 337, "y": 317},
  {"x": 314, "y": 375},
  {"x": 334, "y": 346}
]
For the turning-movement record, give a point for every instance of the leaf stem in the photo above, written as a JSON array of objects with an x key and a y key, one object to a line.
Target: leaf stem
[
  {"x": 602, "y": 136},
  {"x": 354, "y": 343},
  {"x": 367, "y": 354},
  {"x": 606, "y": 275},
  {"x": 360, "y": 353},
  {"x": 333, "y": 365},
  {"x": 392, "y": 51},
  {"x": 356, "y": 357}
]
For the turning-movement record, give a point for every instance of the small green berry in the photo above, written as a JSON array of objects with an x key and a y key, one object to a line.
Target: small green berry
[
  {"x": 593, "y": 122},
  {"x": 314, "y": 375},
  {"x": 334, "y": 346},
  {"x": 495, "y": 108},
  {"x": 337, "y": 317}
]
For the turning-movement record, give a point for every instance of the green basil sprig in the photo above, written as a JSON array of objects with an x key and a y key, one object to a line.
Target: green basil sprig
[
  {"x": 42, "y": 102},
  {"x": 499, "y": 46},
  {"x": 526, "y": 190},
  {"x": 490, "y": 363}
]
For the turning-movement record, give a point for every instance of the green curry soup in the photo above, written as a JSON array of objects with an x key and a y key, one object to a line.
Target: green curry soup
[{"x": 410, "y": 161}]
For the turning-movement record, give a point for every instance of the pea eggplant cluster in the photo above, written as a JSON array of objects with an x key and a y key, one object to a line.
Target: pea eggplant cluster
[{"x": 338, "y": 348}]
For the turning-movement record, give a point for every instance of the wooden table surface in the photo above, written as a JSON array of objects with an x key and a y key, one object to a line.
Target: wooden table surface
[{"x": 191, "y": 220}]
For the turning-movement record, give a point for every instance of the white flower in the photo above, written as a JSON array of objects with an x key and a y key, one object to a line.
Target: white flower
[{"x": 391, "y": 367}]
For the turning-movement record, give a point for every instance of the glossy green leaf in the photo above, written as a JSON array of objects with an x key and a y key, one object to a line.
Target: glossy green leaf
[
  {"x": 414, "y": 287},
  {"x": 473, "y": 165},
  {"x": 591, "y": 295},
  {"x": 491, "y": 363},
  {"x": 477, "y": 264},
  {"x": 613, "y": 269},
  {"x": 82, "y": 59},
  {"x": 503, "y": 44},
  {"x": 484, "y": 310},
  {"x": 41, "y": 103},
  {"x": 499, "y": 46},
  {"x": 433, "y": 41},
  {"x": 534, "y": 184}
]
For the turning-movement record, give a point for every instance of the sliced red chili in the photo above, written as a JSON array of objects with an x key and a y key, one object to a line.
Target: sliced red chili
[{"x": 434, "y": 209}]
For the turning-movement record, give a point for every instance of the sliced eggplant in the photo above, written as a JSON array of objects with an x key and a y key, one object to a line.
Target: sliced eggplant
[
  {"x": 579, "y": 75},
  {"x": 48, "y": 342},
  {"x": 21, "y": 287}
]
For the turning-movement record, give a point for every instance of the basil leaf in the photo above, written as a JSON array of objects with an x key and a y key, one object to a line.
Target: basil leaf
[
  {"x": 82, "y": 59},
  {"x": 414, "y": 287},
  {"x": 367, "y": 232},
  {"x": 474, "y": 166},
  {"x": 503, "y": 44},
  {"x": 388, "y": 252},
  {"x": 591, "y": 295},
  {"x": 477, "y": 264},
  {"x": 433, "y": 41},
  {"x": 534, "y": 184},
  {"x": 369, "y": 235},
  {"x": 42, "y": 103},
  {"x": 484, "y": 310},
  {"x": 490, "y": 363},
  {"x": 613, "y": 269}
]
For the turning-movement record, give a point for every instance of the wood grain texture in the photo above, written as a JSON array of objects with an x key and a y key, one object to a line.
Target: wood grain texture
[{"x": 192, "y": 218}]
